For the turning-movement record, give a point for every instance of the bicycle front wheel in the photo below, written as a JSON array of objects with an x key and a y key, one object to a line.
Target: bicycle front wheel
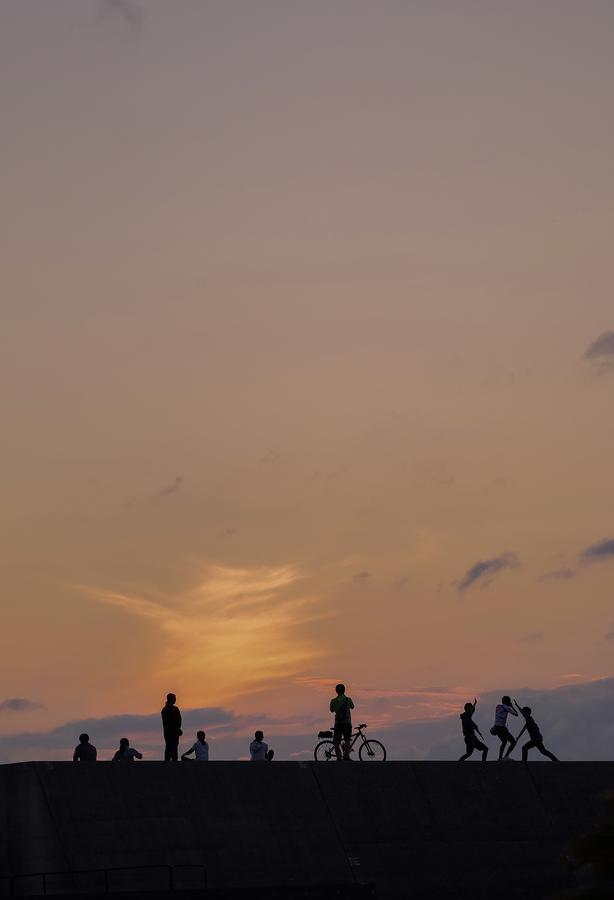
[
  {"x": 325, "y": 752},
  {"x": 372, "y": 751}
]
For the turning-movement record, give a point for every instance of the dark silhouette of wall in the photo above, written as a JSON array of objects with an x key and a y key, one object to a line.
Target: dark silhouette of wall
[{"x": 421, "y": 830}]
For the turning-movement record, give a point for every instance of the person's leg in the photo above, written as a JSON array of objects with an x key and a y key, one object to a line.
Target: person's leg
[
  {"x": 337, "y": 740},
  {"x": 347, "y": 738},
  {"x": 175, "y": 750},
  {"x": 511, "y": 740},
  {"x": 469, "y": 750},
  {"x": 502, "y": 747},
  {"x": 525, "y": 749},
  {"x": 478, "y": 745},
  {"x": 167, "y": 750},
  {"x": 545, "y": 752}
]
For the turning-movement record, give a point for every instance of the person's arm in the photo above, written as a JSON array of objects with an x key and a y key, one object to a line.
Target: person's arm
[
  {"x": 75, "y": 756},
  {"x": 187, "y": 753},
  {"x": 138, "y": 755},
  {"x": 511, "y": 710},
  {"x": 519, "y": 708},
  {"x": 350, "y": 703},
  {"x": 478, "y": 730},
  {"x": 522, "y": 731},
  {"x": 332, "y": 705}
]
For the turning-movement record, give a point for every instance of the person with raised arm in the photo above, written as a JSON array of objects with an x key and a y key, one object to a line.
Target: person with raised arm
[
  {"x": 532, "y": 729},
  {"x": 470, "y": 729},
  {"x": 500, "y": 729}
]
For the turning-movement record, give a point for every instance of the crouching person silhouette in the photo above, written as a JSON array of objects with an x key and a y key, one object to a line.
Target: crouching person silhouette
[
  {"x": 532, "y": 729},
  {"x": 470, "y": 729}
]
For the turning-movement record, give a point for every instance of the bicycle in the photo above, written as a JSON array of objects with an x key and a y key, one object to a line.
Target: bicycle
[{"x": 370, "y": 750}]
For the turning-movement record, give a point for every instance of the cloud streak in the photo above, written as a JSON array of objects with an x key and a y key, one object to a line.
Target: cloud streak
[
  {"x": 240, "y": 628},
  {"x": 19, "y": 705},
  {"x": 601, "y": 353},
  {"x": 483, "y": 572}
]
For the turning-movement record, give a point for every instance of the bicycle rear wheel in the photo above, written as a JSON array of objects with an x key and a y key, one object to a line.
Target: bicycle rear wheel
[
  {"x": 372, "y": 751},
  {"x": 325, "y": 752}
]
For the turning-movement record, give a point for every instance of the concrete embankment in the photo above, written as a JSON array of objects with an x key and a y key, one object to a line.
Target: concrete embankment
[{"x": 399, "y": 829}]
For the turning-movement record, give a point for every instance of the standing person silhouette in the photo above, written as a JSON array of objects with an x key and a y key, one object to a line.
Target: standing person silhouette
[
  {"x": 84, "y": 751},
  {"x": 532, "y": 728},
  {"x": 500, "y": 729},
  {"x": 171, "y": 725},
  {"x": 342, "y": 734},
  {"x": 469, "y": 733}
]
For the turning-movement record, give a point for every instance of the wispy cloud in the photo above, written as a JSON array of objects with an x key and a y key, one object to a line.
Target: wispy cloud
[
  {"x": 600, "y": 354},
  {"x": 240, "y": 628},
  {"x": 129, "y": 11},
  {"x": 19, "y": 705},
  {"x": 168, "y": 489},
  {"x": 564, "y": 574},
  {"x": 362, "y": 576},
  {"x": 600, "y": 551},
  {"x": 484, "y": 571},
  {"x": 532, "y": 638}
]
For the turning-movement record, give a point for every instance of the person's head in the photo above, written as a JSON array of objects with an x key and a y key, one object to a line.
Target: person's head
[
  {"x": 124, "y": 742},
  {"x": 468, "y": 707},
  {"x": 340, "y": 688},
  {"x": 259, "y": 736},
  {"x": 526, "y": 710},
  {"x": 200, "y": 735},
  {"x": 170, "y": 698},
  {"x": 507, "y": 700},
  {"x": 84, "y": 738}
]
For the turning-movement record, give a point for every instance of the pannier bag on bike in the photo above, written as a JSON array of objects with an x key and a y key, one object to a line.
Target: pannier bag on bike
[{"x": 325, "y": 734}]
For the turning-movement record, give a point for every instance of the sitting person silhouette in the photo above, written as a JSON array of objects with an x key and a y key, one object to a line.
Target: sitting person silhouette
[
  {"x": 259, "y": 749},
  {"x": 469, "y": 733},
  {"x": 499, "y": 729},
  {"x": 532, "y": 728},
  {"x": 126, "y": 753},
  {"x": 200, "y": 748},
  {"x": 84, "y": 751}
]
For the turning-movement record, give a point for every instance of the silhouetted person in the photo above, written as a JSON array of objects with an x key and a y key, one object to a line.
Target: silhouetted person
[
  {"x": 532, "y": 728},
  {"x": 469, "y": 733},
  {"x": 84, "y": 751},
  {"x": 126, "y": 753},
  {"x": 259, "y": 749},
  {"x": 171, "y": 724},
  {"x": 200, "y": 749},
  {"x": 499, "y": 729},
  {"x": 342, "y": 732}
]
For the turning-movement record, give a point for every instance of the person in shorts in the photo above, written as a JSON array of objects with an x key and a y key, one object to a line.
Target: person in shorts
[
  {"x": 200, "y": 748},
  {"x": 532, "y": 728},
  {"x": 500, "y": 729},
  {"x": 342, "y": 733},
  {"x": 470, "y": 729}
]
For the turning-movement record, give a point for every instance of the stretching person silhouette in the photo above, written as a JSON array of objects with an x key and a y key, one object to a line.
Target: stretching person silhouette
[
  {"x": 532, "y": 728},
  {"x": 500, "y": 727},
  {"x": 469, "y": 732}
]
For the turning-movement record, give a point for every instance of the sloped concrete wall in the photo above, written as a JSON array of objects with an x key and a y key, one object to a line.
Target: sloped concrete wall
[{"x": 418, "y": 830}]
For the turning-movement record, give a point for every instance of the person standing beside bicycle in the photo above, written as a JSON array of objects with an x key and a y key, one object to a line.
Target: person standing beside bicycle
[{"x": 342, "y": 735}]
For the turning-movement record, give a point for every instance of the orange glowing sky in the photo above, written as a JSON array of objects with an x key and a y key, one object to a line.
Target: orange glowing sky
[{"x": 297, "y": 307}]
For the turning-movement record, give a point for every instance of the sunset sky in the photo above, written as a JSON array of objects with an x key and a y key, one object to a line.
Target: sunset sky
[{"x": 307, "y": 365}]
